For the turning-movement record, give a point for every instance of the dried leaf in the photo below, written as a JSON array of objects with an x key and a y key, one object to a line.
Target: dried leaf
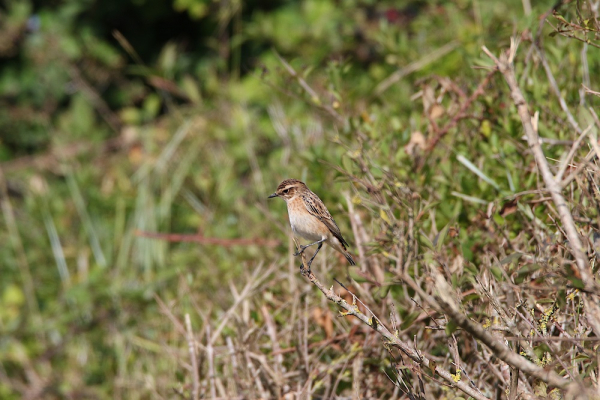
[
  {"x": 416, "y": 144},
  {"x": 509, "y": 207}
]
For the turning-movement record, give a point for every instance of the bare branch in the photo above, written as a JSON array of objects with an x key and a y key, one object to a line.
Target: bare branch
[
  {"x": 313, "y": 95},
  {"x": 565, "y": 163},
  {"x": 193, "y": 358},
  {"x": 408, "y": 349},
  {"x": 415, "y": 66},
  {"x": 500, "y": 350},
  {"x": 507, "y": 70},
  {"x": 555, "y": 88},
  {"x": 210, "y": 355}
]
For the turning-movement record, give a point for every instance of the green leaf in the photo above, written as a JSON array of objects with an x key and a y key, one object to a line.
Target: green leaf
[
  {"x": 409, "y": 319},
  {"x": 424, "y": 240},
  {"x": 384, "y": 216},
  {"x": 577, "y": 282},
  {"x": 451, "y": 327},
  {"x": 356, "y": 276},
  {"x": 463, "y": 160},
  {"x": 511, "y": 258},
  {"x": 497, "y": 273},
  {"x": 560, "y": 18},
  {"x": 438, "y": 241}
]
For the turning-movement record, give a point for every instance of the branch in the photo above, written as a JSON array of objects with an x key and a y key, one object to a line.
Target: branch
[
  {"x": 506, "y": 67},
  {"x": 180, "y": 237},
  {"x": 415, "y": 66},
  {"x": 480, "y": 90},
  {"x": 193, "y": 357},
  {"x": 313, "y": 95},
  {"x": 500, "y": 350},
  {"x": 565, "y": 163},
  {"x": 590, "y": 91},
  {"x": 392, "y": 339},
  {"x": 556, "y": 90}
]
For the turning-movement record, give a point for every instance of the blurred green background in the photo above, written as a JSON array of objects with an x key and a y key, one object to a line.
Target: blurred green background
[{"x": 177, "y": 116}]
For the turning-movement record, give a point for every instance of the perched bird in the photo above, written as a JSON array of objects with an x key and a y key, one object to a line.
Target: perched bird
[{"x": 310, "y": 219}]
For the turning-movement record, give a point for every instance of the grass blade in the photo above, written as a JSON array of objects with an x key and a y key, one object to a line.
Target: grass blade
[{"x": 477, "y": 171}]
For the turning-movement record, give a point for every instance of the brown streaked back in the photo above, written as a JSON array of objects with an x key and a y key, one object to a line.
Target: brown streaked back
[{"x": 315, "y": 206}]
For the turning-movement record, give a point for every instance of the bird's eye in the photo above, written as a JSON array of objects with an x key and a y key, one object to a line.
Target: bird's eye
[{"x": 285, "y": 191}]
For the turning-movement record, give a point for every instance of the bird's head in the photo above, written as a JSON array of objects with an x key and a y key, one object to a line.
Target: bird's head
[{"x": 289, "y": 188}]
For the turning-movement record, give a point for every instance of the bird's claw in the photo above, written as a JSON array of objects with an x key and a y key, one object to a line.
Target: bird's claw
[
  {"x": 302, "y": 248},
  {"x": 304, "y": 271}
]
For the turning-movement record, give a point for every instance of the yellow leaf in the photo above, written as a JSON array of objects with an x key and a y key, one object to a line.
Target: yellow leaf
[
  {"x": 456, "y": 377},
  {"x": 385, "y": 217},
  {"x": 485, "y": 128}
]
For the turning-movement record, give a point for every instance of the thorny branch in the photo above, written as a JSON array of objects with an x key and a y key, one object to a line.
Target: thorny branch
[
  {"x": 443, "y": 303},
  {"x": 314, "y": 96},
  {"x": 181, "y": 237},
  {"x": 392, "y": 339},
  {"x": 461, "y": 114},
  {"x": 506, "y": 67}
]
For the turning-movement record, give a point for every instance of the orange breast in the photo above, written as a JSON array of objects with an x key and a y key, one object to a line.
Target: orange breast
[{"x": 305, "y": 224}]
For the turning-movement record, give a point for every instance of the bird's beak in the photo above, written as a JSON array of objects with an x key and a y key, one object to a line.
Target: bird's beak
[{"x": 273, "y": 195}]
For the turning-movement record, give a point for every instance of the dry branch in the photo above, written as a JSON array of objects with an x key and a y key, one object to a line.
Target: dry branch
[
  {"x": 444, "y": 303},
  {"x": 180, "y": 237},
  {"x": 391, "y": 339},
  {"x": 314, "y": 96},
  {"x": 500, "y": 350},
  {"x": 193, "y": 358},
  {"x": 415, "y": 66},
  {"x": 461, "y": 114},
  {"x": 506, "y": 67}
]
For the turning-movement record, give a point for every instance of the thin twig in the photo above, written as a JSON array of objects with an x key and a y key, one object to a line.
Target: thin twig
[
  {"x": 408, "y": 349},
  {"x": 180, "y": 237},
  {"x": 254, "y": 281},
  {"x": 590, "y": 91},
  {"x": 565, "y": 163},
  {"x": 514, "y": 384},
  {"x": 210, "y": 355},
  {"x": 415, "y": 66},
  {"x": 313, "y": 95},
  {"x": 357, "y": 367},
  {"x": 553, "y": 339},
  {"x": 580, "y": 168},
  {"x": 500, "y": 350},
  {"x": 556, "y": 90},
  {"x": 506, "y": 67},
  {"x": 234, "y": 364},
  {"x": 461, "y": 113},
  {"x": 272, "y": 332},
  {"x": 193, "y": 358}
]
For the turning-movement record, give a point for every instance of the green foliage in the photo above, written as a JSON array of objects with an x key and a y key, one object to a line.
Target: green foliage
[{"x": 192, "y": 135}]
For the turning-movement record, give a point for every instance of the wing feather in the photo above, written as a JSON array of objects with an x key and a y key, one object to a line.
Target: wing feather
[{"x": 315, "y": 206}]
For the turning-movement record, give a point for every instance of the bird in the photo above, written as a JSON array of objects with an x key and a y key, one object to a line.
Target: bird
[{"x": 310, "y": 219}]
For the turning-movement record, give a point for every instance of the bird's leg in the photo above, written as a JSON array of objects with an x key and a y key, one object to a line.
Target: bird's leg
[
  {"x": 302, "y": 248},
  {"x": 314, "y": 255}
]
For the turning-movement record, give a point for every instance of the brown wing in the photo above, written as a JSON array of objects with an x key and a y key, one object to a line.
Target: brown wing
[{"x": 315, "y": 206}]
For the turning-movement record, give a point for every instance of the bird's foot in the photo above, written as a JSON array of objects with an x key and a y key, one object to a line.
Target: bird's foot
[
  {"x": 302, "y": 248},
  {"x": 304, "y": 271}
]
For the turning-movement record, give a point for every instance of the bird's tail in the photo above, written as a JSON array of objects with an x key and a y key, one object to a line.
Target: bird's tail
[
  {"x": 339, "y": 246},
  {"x": 349, "y": 258}
]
